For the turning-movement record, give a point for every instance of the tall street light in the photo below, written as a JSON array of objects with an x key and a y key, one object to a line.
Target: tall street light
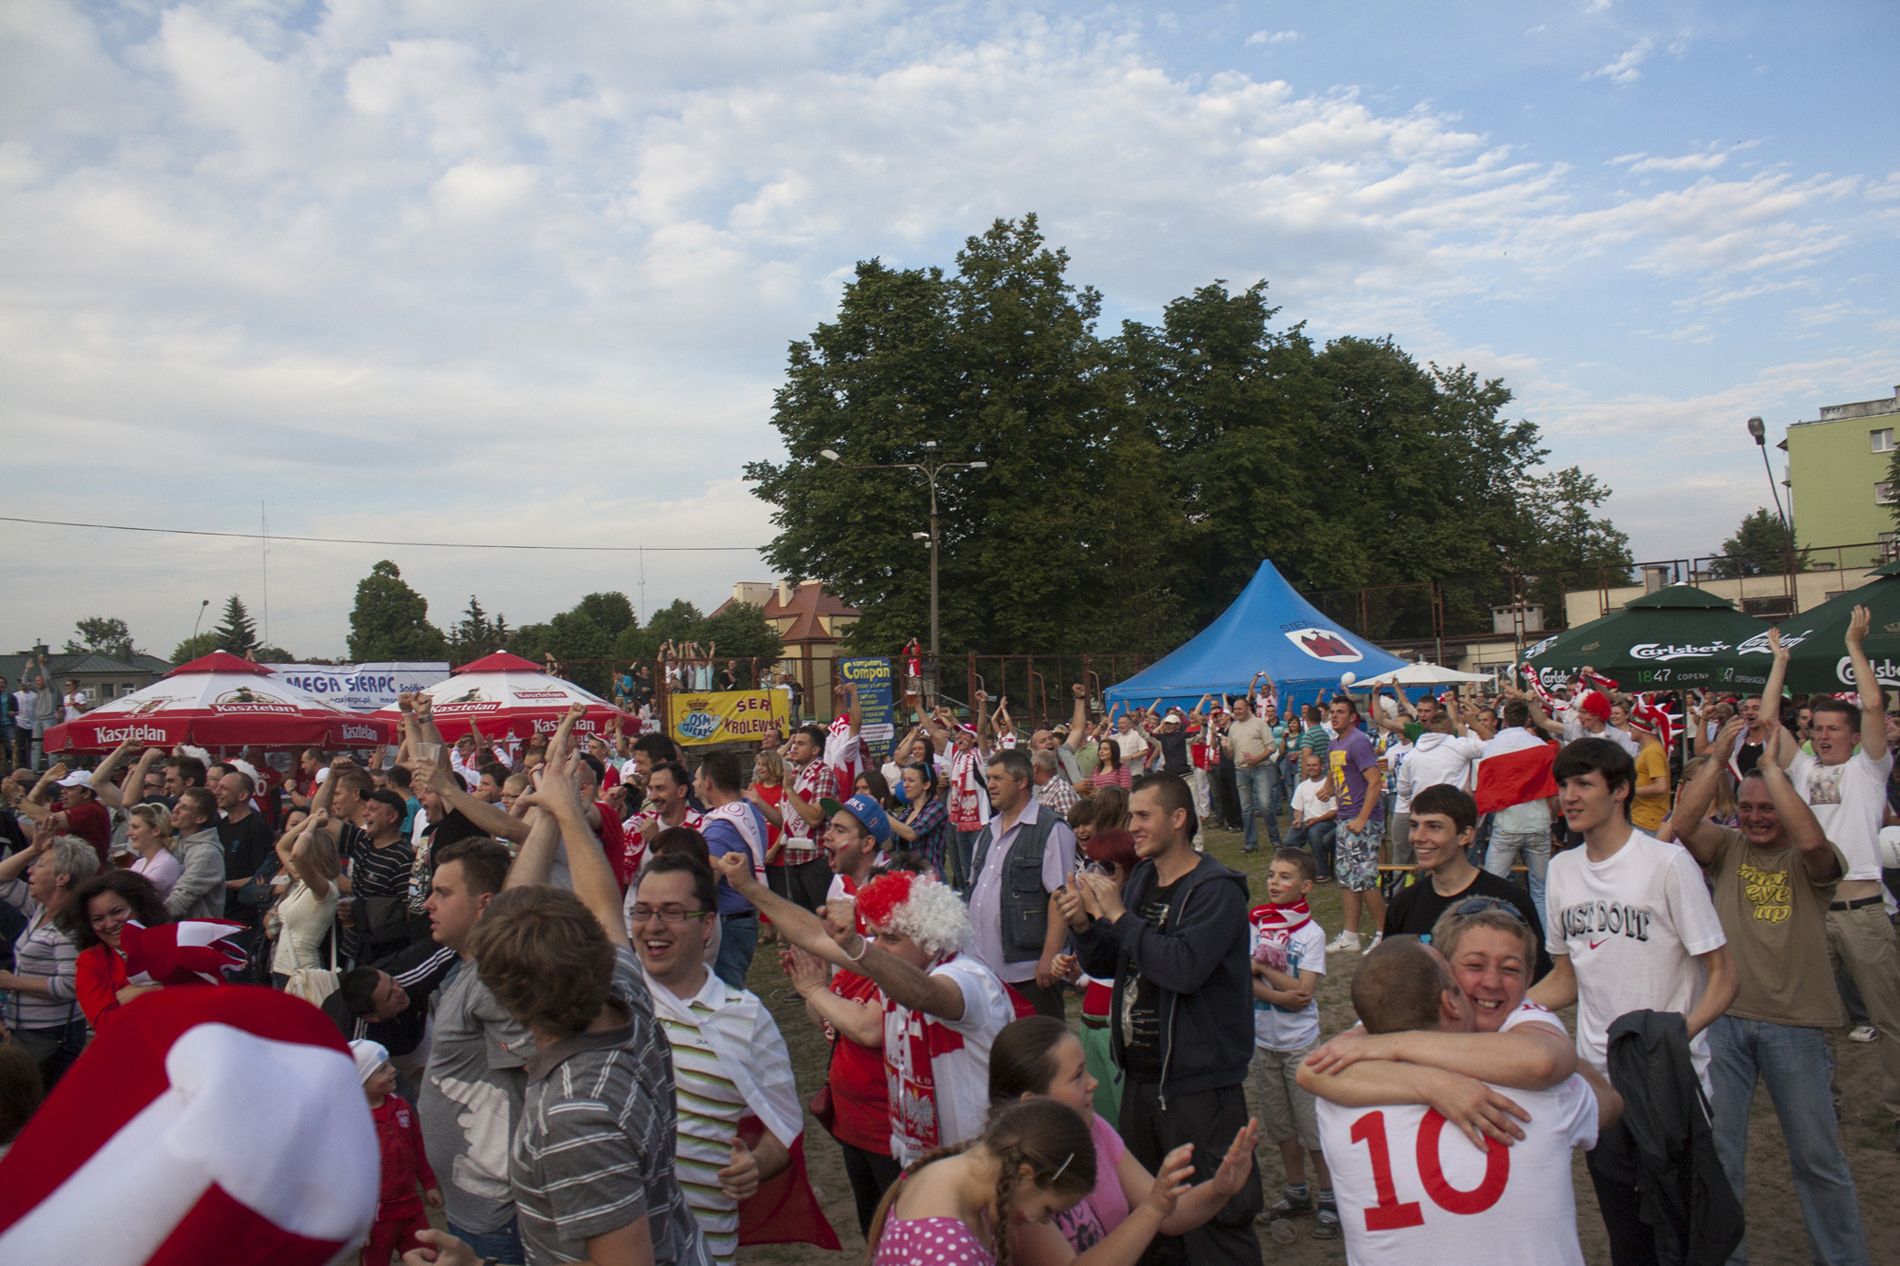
[
  {"x": 929, "y": 470},
  {"x": 1760, "y": 434}
]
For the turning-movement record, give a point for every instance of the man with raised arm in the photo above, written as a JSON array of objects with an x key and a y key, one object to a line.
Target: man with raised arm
[
  {"x": 1845, "y": 783},
  {"x": 1773, "y": 880}
]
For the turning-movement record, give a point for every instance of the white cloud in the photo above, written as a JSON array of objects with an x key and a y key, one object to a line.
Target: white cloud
[
  {"x": 1688, "y": 162},
  {"x": 1623, "y": 71},
  {"x": 466, "y": 270},
  {"x": 1272, "y": 37}
]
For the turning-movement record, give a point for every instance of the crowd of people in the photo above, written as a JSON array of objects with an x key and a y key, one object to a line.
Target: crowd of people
[{"x": 542, "y": 968}]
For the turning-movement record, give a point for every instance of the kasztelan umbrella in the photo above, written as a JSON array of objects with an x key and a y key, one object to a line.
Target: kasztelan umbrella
[
  {"x": 219, "y": 701},
  {"x": 1665, "y": 640},
  {"x": 511, "y": 699},
  {"x": 1817, "y": 643}
]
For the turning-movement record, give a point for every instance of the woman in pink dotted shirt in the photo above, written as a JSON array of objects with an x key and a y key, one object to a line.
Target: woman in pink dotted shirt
[
  {"x": 977, "y": 1206},
  {"x": 1038, "y": 1057}
]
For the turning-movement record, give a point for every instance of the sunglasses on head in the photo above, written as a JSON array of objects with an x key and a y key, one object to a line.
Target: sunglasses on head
[{"x": 1478, "y": 905}]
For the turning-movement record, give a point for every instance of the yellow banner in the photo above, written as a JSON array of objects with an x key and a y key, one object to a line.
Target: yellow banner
[{"x": 726, "y": 716}]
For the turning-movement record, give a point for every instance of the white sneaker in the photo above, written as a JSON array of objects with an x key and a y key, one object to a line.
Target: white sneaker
[
  {"x": 1376, "y": 938},
  {"x": 1345, "y": 941},
  {"x": 1864, "y": 1033}
]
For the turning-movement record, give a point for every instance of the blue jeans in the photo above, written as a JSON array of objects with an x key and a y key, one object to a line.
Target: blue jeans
[
  {"x": 1257, "y": 783},
  {"x": 1503, "y": 852},
  {"x": 958, "y": 846},
  {"x": 1796, "y": 1065},
  {"x": 1317, "y": 839},
  {"x": 738, "y": 942},
  {"x": 502, "y": 1244}
]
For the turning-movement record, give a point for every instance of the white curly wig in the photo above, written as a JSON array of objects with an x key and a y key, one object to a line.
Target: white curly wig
[{"x": 918, "y": 907}]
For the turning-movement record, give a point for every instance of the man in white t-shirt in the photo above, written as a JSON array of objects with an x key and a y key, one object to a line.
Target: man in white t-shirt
[
  {"x": 1132, "y": 743},
  {"x": 942, "y": 1009},
  {"x": 1411, "y": 1190},
  {"x": 1630, "y": 927},
  {"x": 1315, "y": 815},
  {"x": 1846, "y": 786}
]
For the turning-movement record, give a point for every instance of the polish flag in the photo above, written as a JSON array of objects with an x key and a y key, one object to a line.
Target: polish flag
[
  {"x": 203, "y": 1125},
  {"x": 1515, "y": 769}
]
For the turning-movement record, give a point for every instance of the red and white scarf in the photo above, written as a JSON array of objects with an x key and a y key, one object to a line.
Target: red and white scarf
[
  {"x": 966, "y": 792},
  {"x": 1597, "y": 680},
  {"x": 1273, "y": 927}
]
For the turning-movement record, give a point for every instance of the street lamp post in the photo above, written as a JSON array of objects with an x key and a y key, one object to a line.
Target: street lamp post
[
  {"x": 929, "y": 470},
  {"x": 1760, "y": 433},
  {"x": 195, "y": 623}
]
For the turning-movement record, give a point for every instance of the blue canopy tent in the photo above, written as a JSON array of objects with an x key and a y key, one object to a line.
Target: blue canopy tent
[{"x": 1269, "y": 627}]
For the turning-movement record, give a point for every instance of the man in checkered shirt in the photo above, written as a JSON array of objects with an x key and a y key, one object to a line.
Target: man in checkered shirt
[{"x": 807, "y": 873}]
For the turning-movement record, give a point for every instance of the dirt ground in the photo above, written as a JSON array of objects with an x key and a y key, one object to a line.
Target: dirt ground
[{"x": 1776, "y": 1235}]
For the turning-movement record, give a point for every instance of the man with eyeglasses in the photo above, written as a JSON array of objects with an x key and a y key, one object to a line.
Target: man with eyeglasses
[
  {"x": 1444, "y": 821},
  {"x": 729, "y": 1060}
]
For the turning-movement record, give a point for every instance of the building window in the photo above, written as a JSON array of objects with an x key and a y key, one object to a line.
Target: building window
[
  {"x": 1883, "y": 440},
  {"x": 1883, "y": 494}
]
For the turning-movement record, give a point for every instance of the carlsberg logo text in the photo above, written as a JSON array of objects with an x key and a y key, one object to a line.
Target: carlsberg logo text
[{"x": 1658, "y": 650}]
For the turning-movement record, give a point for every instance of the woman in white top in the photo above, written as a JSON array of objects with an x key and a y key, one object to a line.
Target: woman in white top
[
  {"x": 305, "y": 913},
  {"x": 148, "y": 828}
]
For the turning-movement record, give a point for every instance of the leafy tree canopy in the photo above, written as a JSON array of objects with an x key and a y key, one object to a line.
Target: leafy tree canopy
[
  {"x": 1135, "y": 481},
  {"x": 1758, "y": 548},
  {"x": 196, "y": 647},
  {"x": 108, "y": 635},
  {"x": 391, "y": 621}
]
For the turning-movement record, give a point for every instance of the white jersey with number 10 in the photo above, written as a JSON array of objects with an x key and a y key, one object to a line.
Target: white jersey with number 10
[{"x": 1413, "y": 1191}]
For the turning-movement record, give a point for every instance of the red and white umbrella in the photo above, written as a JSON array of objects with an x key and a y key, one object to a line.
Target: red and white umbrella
[
  {"x": 509, "y": 699},
  {"x": 220, "y": 701}
]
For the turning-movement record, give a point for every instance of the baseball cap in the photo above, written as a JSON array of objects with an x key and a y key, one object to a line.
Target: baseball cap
[
  {"x": 1174, "y": 714},
  {"x": 78, "y": 778},
  {"x": 867, "y": 811}
]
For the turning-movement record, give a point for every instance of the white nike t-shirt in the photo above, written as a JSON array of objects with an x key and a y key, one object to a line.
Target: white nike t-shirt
[
  {"x": 1632, "y": 927},
  {"x": 1412, "y": 1189}
]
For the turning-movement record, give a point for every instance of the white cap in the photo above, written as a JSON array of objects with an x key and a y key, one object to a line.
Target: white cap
[
  {"x": 78, "y": 778},
  {"x": 370, "y": 1056},
  {"x": 1175, "y": 714}
]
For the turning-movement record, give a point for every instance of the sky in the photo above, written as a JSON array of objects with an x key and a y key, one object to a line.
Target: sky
[{"x": 483, "y": 272}]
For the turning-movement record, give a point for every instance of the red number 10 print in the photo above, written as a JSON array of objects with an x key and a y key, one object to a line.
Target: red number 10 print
[{"x": 1390, "y": 1214}]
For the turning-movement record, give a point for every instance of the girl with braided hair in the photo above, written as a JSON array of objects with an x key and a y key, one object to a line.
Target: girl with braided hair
[
  {"x": 1037, "y": 1057},
  {"x": 964, "y": 1205}
]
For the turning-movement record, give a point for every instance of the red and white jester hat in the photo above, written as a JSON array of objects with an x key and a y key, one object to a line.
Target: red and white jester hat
[{"x": 205, "y": 1125}]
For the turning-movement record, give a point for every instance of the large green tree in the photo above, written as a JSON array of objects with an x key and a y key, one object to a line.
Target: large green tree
[
  {"x": 1134, "y": 483},
  {"x": 391, "y": 621},
  {"x": 1758, "y": 548},
  {"x": 108, "y": 635},
  {"x": 996, "y": 363}
]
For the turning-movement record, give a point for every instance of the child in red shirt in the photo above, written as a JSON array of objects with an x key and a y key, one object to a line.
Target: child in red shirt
[{"x": 399, "y": 1213}]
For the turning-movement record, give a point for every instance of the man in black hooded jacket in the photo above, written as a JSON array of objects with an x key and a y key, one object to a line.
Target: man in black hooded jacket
[{"x": 1174, "y": 940}]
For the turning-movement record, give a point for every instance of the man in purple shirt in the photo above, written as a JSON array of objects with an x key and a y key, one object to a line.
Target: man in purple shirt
[{"x": 1356, "y": 783}]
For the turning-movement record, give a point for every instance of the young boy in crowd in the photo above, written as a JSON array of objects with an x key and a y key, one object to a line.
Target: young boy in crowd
[
  {"x": 1288, "y": 948},
  {"x": 399, "y": 1213}
]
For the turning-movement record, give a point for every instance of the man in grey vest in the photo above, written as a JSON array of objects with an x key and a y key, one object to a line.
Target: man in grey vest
[{"x": 1023, "y": 855}]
